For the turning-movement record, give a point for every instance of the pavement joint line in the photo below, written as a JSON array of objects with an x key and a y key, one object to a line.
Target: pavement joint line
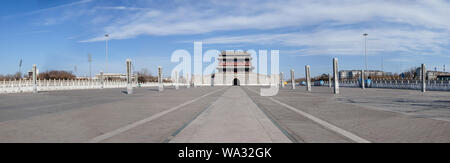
[
  {"x": 321, "y": 122},
  {"x": 289, "y": 136},
  {"x": 123, "y": 129},
  {"x": 174, "y": 134},
  {"x": 189, "y": 122}
]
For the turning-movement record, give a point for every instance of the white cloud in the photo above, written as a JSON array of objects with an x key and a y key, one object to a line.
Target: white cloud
[
  {"x": 195, "y": 18},
  {"x": 120, "y": 8},
  {"x": 312, "y": 27},
  {"x": 349, "y": 41}
]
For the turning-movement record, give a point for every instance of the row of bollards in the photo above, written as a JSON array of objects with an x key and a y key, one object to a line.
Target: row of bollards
[
  {"x": 308, "y": 77},
  {"x": 35, "y": 80},
  {"x": 160, "y": 79},
  {"x": 336, "y": 78},
  {"x": 34, "y": 84},
  {"x": 129, "y": 79},
  {"x": 422, "y": 78}
]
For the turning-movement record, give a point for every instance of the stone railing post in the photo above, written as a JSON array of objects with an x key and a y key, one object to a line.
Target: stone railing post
[
  {"x": 34, "y": 79},
  {"x": 308, "y": 78},
  {"x": 363, "y": 85},
  {"x": 423, "y": 77},
  {"x": 292, "y": 79},
  {"x": 160, "y": 80},
  {"x": 129, "y": 77},
  {"x": 335, "y": 76}
]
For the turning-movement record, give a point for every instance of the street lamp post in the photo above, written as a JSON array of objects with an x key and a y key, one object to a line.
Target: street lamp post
[
  {"x": 365, "y": 61},
  {"x": 90, "y": 66},
  {"x": 106, "y": 51},
  {"x": 365, "y": 49}
]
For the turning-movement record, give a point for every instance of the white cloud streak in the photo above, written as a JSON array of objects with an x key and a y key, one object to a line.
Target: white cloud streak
[
  {"x": 326, "y": 27},
  {"x": 186, "y": 18},
  {"x": 349, "y": 41},
  {"x": 44, "y": 10}
]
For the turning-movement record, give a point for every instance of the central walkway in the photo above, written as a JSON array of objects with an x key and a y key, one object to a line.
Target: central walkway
[{"x": 233, "y": 118}]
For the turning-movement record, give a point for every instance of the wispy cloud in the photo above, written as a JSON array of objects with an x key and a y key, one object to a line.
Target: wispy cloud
[
  {"x": 349, "y": 41},
  {"x": 49, "y": 9},
  {"x": 194, "y": 18},
  {"x": 120, "y": 8},
  {"x": 402, "y": 60},
  {"x": 325, "y": 27}
]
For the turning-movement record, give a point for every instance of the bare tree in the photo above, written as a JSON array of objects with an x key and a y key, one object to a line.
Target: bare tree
[
  {"x": 145, "y": 76},
  {"x": 15, "y": 76},
  {"x": 56, "y": 75},
  {"x": 411, "y": 73}
]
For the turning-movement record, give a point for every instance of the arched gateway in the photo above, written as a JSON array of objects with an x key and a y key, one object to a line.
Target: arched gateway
[
  {"x": 235, "y": 68},
  {"x": 236, "y": 82}
]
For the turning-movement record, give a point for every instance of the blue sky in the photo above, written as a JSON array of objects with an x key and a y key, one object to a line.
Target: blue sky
[{"x": 59, "y": 34}]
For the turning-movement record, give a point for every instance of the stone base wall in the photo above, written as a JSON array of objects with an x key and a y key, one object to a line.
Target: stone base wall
[{"x": 244, "y": 79}]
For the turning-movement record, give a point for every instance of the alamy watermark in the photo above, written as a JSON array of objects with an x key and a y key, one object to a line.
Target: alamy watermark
[{"x": 247, "y": 68}]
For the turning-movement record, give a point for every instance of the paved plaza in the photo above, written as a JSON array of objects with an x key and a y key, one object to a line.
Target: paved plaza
[{"x": 226, "y": 114}]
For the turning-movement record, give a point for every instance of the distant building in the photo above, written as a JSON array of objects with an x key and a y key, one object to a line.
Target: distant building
[
  {"x": 30, "y": 73},
  {"x": 113, "y": 76},
  {"x": 443, "y": 77},
  {"x": 433, "y": 75},
  {"x": 351, "y": 74}
]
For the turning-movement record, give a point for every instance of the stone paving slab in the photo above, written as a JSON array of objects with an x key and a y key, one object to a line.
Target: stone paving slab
[
  {"x": 233, "y": 118},
  {"x": 370, "y": 120},
  {"x": 83, "y": 122}
]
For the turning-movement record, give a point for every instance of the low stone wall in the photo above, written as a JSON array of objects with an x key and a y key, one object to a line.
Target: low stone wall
[
  {"x": 432, "y": 85},
  {"x": 23, "y": 86}
]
